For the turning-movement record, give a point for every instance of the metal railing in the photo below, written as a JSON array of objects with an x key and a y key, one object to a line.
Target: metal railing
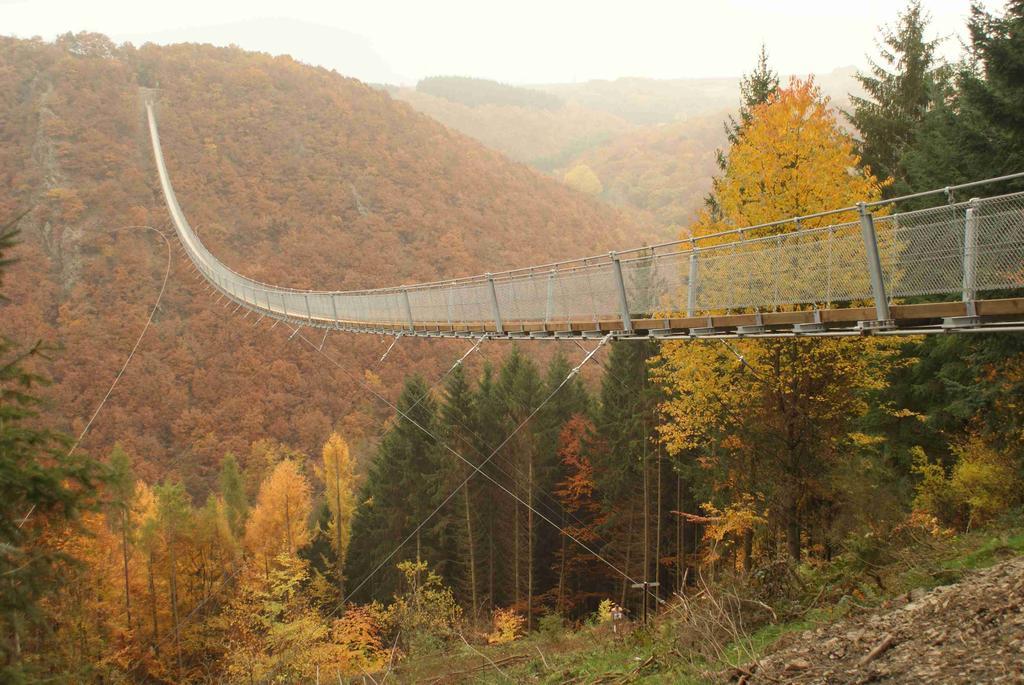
[{"x": 851, "y": 254}]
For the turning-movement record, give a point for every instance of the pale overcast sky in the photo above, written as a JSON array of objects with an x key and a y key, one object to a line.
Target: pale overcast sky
[{"x": 523, "y": 41}]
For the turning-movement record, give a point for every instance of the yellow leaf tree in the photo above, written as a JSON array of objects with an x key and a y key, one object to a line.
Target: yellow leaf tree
[
  {"x": 766, "y": 420},
  {"x": 582, "y": 178},
  {"x": 790, "y": 159},
  {"x": 278, "y": 523},
  {"x": 339, "y": 482}
]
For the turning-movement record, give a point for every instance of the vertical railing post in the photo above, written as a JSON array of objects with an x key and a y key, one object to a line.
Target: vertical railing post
[
  {"x": 874, "y": 263},
  {"x": 448, "y": 292},
  {"x": 691, "y": 284},
  {"x": 334, "y": 308},
  {"x": 309, "y": 312},
  {"x": 408, "y": 309},
  {"x": 284, "y": 305},
  {"x": 970, "y": 284},
  {"x": 494, "y": 305},
  {"x": 620, "y": 286},
  {"x": 549, "y": 307}
]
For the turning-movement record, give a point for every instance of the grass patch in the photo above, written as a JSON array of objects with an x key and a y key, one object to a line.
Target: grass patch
[
  {"x": 993, "y": 550},
  {"x": 753, "y": 646}
]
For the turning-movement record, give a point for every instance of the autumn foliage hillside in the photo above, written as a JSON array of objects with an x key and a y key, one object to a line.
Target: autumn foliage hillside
[{"x": 291, "y": 174}]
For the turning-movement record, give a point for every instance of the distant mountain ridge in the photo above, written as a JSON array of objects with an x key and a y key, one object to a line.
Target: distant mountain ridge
[{"x": 348, "y": 53}]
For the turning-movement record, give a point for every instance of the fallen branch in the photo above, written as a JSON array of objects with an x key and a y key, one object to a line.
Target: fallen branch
[
  {"x": 888, "y": 641},
  {"x": 546, "y": 667}
]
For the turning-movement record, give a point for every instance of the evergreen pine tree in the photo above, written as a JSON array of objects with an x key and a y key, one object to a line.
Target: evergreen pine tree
[
  {"x": 394, "y": 500},
  {"x": 521, "y": 391},
  {"x": 458, "y": 526},
  {"x": 232, "y": 489},
  {"x": 976, "y": 129},
  {"x": 41, "y": 486},
  {"x": 900, "y": 92},
  {"x": 570, "y": 401},
  {"x": 492, "y": 425},
  {"x": 756, "y": 88},
  {"x": 623, "y": 454}
]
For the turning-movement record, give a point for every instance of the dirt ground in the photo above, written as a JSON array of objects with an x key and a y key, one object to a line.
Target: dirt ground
[{"x": 971, "y": 632}]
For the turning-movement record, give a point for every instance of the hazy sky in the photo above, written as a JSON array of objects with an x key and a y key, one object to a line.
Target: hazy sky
[{"x": 533, "y": 41}]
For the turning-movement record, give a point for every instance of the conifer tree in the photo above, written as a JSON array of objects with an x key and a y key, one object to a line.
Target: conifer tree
[
  {"x": 521, "y": 391},
  {"x": 40, "y": 485},
  {"x": 279, "y": 523},
  {"x": 900, "y": 92},
  {"x": 492, "y": 425},
  {"x": 621, "y": 455},
  {"x": 396, "y": 497},
  {"x": 571, "y": 400},
  {"x": 756, "y": 88},
  {"x": 232, "y": 490},
  {"x": 977, "y": 131},
  {"x": 174, "y": 512},
  {"x": 458, "y": 526}
]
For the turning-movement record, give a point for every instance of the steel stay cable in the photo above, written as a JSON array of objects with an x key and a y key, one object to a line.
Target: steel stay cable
[
  {"x": 477, "y": 468},
  {"x": 553, "y": 507},
  {"x": 457, "y": 364},
  {"x": 225, "y": 579},
  {"x": 469, "y": 430},
  {"x": 131, "y": 354}
]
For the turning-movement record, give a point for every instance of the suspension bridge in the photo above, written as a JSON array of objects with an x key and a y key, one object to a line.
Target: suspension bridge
[{"x": 844, "y": 271}]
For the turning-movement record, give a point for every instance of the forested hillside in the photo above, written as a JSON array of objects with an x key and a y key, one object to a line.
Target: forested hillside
[
  {"x": 647, "y": 146},
  {"x": 544, "y": 137},
  {"x": 294, "y": 175}
]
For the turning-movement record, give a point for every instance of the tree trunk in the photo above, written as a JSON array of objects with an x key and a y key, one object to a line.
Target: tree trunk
[
  {"x": 748, "y": 551},
  {"x": 680, "y": 555},
  {"x": 515, "y": 555},
  {"x": 490, "y": 560},
  {"x": 793, "y": 536},
  {"x": 124, "y": 557},
  {"x": 288, "y": 523},
  {"x": 629, "y": 550},
  {"x": 657, "y": 528},
  {"x": 561, "y": 571},
  {"x": 152, "y": 604},
  {"x": 470, "y": 548},
  {"x": 337, "y": 533},
  {"x": 647, "y": 525},
  {"x": 174, "y": 603},
  {"x": 529, "y": 549}
]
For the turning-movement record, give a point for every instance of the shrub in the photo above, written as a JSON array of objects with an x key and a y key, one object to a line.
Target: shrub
[
  {"x": 982, "y": 485},
  {"x": 985, "y": 481},
  {"x": 604, "y": 611},
  {"x": 551, "y": 624},
  {"x": 508, "y": 625},
  {"x": 426, "y": 613}
]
